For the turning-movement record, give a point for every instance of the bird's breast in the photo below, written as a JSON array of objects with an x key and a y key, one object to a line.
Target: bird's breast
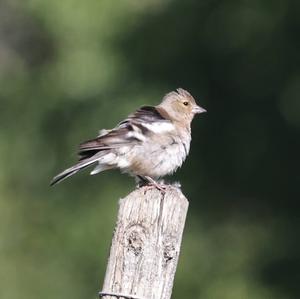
[{"x": 158, "y": 156}]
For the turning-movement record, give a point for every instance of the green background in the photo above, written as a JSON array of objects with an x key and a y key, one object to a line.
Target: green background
[{"x": 69, "y": 68}]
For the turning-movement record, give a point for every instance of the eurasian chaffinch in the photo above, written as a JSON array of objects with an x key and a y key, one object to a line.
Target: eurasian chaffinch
[{"x": 149, "y": 144}]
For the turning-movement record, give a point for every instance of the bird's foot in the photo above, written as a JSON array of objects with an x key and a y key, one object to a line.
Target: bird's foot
[
  {"x": 162, "y": 188},
  {"x": 149, "y": 182}
]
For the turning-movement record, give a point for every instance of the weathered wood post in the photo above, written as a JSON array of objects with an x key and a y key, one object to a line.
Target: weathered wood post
[{"x": 146, "y": 244}]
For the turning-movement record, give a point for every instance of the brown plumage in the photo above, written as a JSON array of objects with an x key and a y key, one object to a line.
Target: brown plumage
[{"x": 150, "y": 143}]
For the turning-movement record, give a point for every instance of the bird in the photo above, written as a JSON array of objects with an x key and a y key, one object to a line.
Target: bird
[{"x": 149, "y": 144}]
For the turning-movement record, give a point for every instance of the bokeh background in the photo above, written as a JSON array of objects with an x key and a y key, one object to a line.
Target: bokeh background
[{"x": 70, "y": 67}]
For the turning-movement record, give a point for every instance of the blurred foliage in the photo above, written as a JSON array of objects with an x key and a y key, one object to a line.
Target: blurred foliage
[{"x": 69, "y": 68}]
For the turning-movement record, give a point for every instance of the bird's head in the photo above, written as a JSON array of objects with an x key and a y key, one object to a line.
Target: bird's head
[{"x": 180, "y": 105}]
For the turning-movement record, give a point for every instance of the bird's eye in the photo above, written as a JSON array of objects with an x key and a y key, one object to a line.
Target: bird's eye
[{"x": 185, "y": 103}]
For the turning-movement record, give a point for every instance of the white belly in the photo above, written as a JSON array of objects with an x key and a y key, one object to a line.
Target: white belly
[{"x": 157, "y": 160}]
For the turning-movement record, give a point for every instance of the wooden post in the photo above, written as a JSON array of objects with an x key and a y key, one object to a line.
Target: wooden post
[{"x": 146, "y": 244}]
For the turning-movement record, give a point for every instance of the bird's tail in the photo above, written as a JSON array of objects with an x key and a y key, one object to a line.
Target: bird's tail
[{"x": 74, "y": 169}]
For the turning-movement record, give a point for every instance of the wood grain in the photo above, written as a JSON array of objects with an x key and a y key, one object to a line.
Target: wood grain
[{"x": 146, "y": 244}]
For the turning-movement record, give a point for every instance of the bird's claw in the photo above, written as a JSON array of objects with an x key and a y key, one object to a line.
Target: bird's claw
[
  {"x": 149, "y": 182},
  {"x": 161, "y": 188}
]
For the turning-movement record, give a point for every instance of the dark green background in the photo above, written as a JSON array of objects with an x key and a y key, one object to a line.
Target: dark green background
[{"x": 69, "y": 68}]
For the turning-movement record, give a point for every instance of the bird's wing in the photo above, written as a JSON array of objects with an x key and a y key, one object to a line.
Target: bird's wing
[
  {"x": 111, "y": 139},
  {"x": 146, "y": 114},
  {"x": 149, "y": 119},
  {"x": 133, "y": 130}
]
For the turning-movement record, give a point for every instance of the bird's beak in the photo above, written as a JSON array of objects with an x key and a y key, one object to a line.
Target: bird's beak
[{"x": 197, "y": 109}]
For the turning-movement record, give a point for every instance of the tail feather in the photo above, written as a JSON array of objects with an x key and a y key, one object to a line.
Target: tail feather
[
  {"x": 100, "y": 168},
  {"x": 72, "y": 170}
]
